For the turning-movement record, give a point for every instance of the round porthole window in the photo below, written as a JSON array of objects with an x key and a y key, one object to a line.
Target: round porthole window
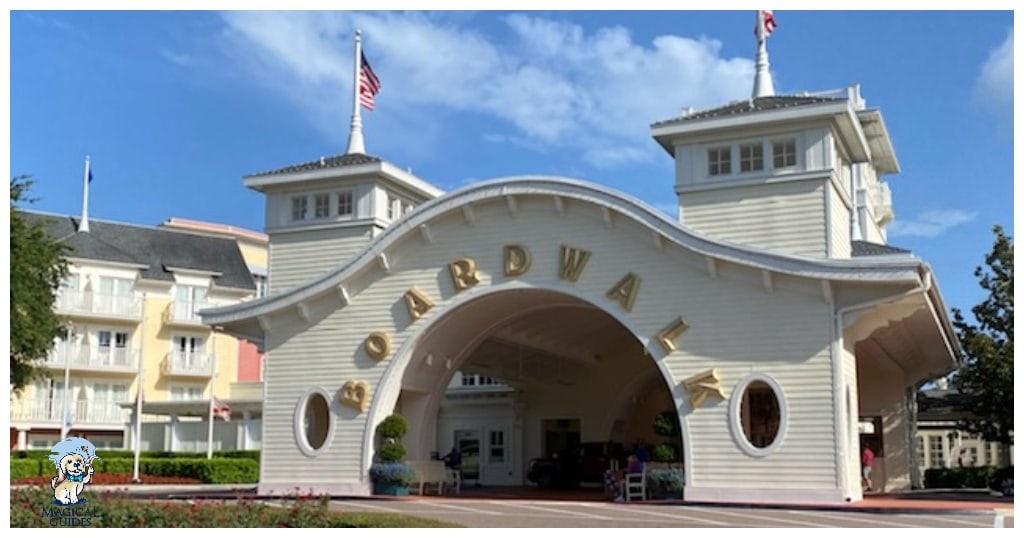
[
  {"x": 758, "y": 414},
  {"x": 313, "y": 424}
]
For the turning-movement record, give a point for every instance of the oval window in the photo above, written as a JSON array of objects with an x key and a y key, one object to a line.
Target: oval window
[
  {"x": 313, "y": 423},
  {"x": 760, "y": 414}
]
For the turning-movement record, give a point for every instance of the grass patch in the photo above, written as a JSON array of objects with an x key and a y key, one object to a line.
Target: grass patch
[{"x": 116, "y": 509}]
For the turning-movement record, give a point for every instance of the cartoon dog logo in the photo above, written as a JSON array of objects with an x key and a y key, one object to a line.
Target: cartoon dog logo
[{"x": 73, "y": 458}]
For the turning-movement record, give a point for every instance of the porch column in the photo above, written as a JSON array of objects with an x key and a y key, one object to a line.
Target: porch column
[
  {"x": 243, "y": 431},
  {"x": 171, "y": 434},
  {"x": 22, "y": 439}
]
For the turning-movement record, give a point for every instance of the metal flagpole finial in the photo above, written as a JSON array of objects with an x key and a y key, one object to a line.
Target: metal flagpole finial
[
  {"x": 763, "y": 86},
  {"x": 355, "y": 134}
]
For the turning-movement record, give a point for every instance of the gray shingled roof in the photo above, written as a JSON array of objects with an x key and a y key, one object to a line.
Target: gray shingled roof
[
  {"x": 941, "y": 404},
  {"x": 157, "y": 248},
  {"x": 865, "y": 248},
  {"x": 335, "y": 161},
  {"x": 759, "y": 104}
]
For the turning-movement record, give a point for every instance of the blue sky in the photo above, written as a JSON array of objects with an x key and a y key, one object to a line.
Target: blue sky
[{"x": 175, "y": 107}]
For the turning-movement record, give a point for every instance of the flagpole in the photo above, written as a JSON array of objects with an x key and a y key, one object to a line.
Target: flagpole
[
  {"x": 138, "y": 397},
  {"x": 64, "y": 423},
  {"x": 83, "y": 226},
  {"x": 213, "y": 379},
  {"x": 762, "y": 77},
  {"x": 355, "y": 135}
]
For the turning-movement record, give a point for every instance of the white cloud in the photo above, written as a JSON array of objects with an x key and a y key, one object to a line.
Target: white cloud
[
  {"x": 176, "y": 58},
  {"x": 931, "y": 223},
  {"x": 551, "y": 83},
  {"x": 994, "y": 87}
]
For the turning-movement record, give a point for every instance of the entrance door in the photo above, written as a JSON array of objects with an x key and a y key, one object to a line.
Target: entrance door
[
  {"x": 496, "y": 467},
  {"x": 468, "y": 444}
]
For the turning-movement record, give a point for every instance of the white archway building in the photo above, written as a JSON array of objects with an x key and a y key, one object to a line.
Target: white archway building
[{"x": 771, "y": 317}]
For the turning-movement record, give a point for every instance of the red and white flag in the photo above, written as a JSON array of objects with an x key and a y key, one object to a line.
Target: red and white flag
[
  {"x": 369, "y": 84},
  {"x": 768, "y": 19},
  {"x": 220, "y": 409}
]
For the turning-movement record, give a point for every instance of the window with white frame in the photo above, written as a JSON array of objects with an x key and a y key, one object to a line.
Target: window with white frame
[
  {"x": 189, "y": 300},
  {"x": 719, "y": 161},
  {"x": 262, "y": 286},
  {"x": 394, "y": 207},
  {"x": 936, "y": 454},
  {"x": 972, "y": 454},
  {"x": 321, "y": 205},
  {"x": 751, "y": 157},
  {"x": 180, "y": 393},
  {"x": 112, "y": 348},
  {"x": 990, "y": 455},
  {"x": 784, "y": 153},
  {"x": 299, "y": 208},
  {"x": 497, "y": 446},
  {"x": 345, "y": 204},
  {"x": 189, "y": 351},
  {"x": 920, "y": 450}
]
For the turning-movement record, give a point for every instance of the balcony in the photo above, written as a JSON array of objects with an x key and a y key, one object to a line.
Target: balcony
[
  {"x": 98, "y": 305},
  {"x": 94, "y": 358},
  {"x": 85, "y": 413},
  {"x": 184, "y": 313},
  {"x": 187, "y": 364}
]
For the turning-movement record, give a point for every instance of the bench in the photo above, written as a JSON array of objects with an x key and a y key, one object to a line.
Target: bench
[{"x": 429, "y": 472}]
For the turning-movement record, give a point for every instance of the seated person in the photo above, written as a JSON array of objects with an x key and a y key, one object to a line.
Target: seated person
[{"x": 453, "y": 460}]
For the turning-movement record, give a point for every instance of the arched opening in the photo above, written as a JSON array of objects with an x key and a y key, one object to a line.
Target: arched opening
[{"x": 525, "y": 375}]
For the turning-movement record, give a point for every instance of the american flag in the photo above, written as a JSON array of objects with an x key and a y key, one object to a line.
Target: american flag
[
  {"x": 221, "y": 410},
  {"x": 369, "y": 84},
  {"x": 769, "y": 22}
]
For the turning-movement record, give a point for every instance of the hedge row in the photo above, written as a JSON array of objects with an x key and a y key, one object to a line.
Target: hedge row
[
  {"x": 44, "y": 454},
  {"x": 214, "y": 471},
  {"x": 958, "y": 477}
]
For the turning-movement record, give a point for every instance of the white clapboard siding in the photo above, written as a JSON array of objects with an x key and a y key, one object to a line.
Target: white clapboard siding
[
  {"x": 736, "y": 326},
  {"x": 296, "y": 257},
  {"x": 788, "y": 217},
  {"x": 839, "y": 225}
]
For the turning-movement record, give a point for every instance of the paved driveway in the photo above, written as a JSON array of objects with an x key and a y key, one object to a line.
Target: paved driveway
[{"x": 541, "y": 513}]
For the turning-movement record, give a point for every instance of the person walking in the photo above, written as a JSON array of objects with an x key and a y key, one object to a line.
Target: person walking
[{"x": 867, "y": 462}]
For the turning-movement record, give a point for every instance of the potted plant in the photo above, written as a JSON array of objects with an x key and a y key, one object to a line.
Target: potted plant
[
  {"x": 665, "y": 483},
  {"x": 391, "y": 478},
  {"x": 389, "y": 475}
]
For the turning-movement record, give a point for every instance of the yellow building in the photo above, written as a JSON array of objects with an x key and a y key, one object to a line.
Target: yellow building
[{"x": 130, "y": 303}]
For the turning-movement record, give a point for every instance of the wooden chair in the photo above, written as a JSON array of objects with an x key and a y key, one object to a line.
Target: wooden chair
[{"x": 634, "y": 485}]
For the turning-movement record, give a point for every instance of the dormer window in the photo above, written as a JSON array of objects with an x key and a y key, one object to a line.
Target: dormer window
[
  {"x": 321, "y": 206},
  {"x": 784, "y": 153},
  {"x": 751, "y": 157},
  {"x": 719, "y": 161},
  {"x": 345, "y": 204},
  {"x": 299, "y": 208}
]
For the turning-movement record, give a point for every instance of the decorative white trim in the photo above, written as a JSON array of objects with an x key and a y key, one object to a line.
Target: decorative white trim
[
  {"x": 559, "y": 206},
  {"x": 425, "y": 232},
  {"x": 513, "y": 209},
  {"x": 712, "y": 267},
  {"x": 766, "y": 280},
  {"x": 300, "y": 432},
  {"x": 343, "y": 294},
  {"x": 890, "y": 270},
  {"x": 735, "y": 421},
  {"x": 608, "y": 217}
]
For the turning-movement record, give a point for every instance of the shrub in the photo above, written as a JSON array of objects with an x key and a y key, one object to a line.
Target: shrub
[
  {"x": 664, "y": 452},
  {"x": 393, "y": 427},
  {"x": 1001, "y": 480},
  {"x": 665, "y": 483},
  {"x": 957, "y": 477},
  {"x": 391, "y": 452},
  {"x": 26, "y": 468},
  {"x": 392, "y": 473}
]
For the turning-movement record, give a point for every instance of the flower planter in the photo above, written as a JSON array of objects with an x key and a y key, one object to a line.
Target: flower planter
[{"x": 384, "y": 488}]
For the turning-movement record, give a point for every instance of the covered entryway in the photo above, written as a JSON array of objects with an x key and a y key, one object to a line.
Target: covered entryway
[{"x": 572, "y": 379}]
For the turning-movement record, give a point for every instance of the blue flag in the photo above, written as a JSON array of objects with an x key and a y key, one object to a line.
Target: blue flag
[{"x": 90, "y": 174}]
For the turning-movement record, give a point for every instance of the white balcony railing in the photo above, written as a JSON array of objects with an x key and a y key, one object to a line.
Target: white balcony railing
[
  {"x": 187, "y": 363},
  {"x": 83, "y": 412},
  {"x": 93, "y": 358},
  {"x": 178, "y": 312},
  {"x": 87, "y": 302}
]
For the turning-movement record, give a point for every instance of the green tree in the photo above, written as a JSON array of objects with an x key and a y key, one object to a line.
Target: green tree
[
  {"x": 37, "y": 268},
  {"x": 985, "y": 377}
]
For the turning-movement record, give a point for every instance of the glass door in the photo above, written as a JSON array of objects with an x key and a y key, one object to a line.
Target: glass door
[{"x": 468, "y": 444}]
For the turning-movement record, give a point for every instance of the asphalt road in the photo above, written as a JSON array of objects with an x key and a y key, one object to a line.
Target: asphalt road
[{"x": 573, "y": 514}]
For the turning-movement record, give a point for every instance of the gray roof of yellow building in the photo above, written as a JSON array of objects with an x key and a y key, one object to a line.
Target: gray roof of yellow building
[
  {"x": 156, "y": 248},
  {"x": 749, "y": 106},
  {"x": 334, "y": 161}
]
